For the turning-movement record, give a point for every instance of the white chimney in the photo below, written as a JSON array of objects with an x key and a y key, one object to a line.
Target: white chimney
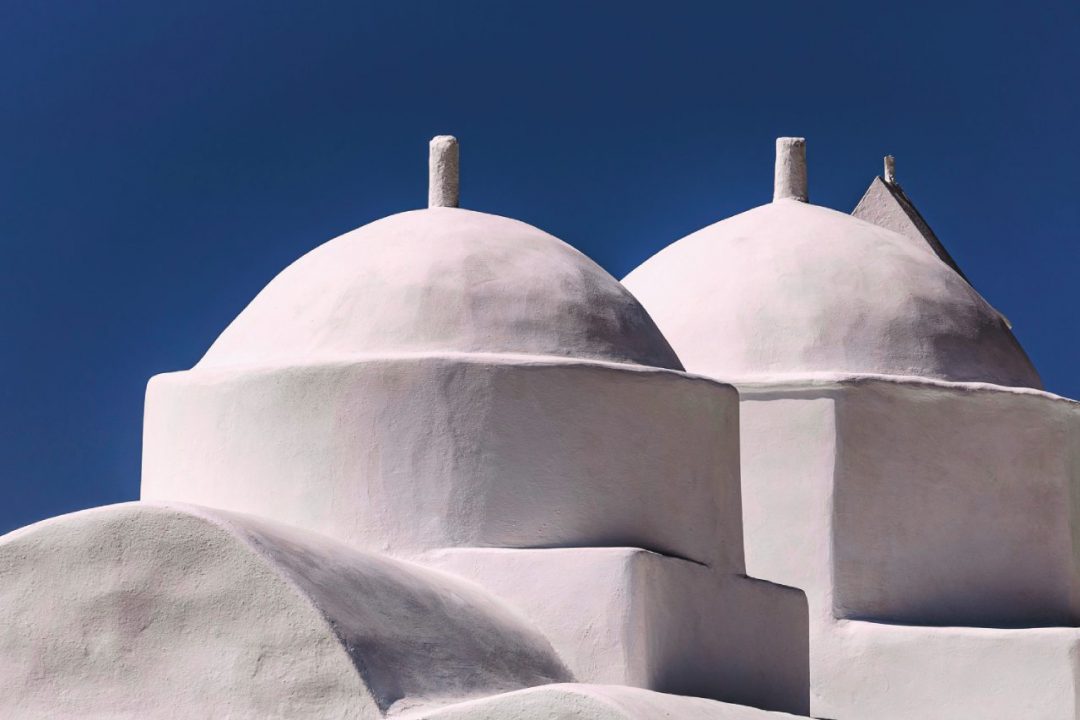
[
  {"x": 790, "y": 178},
  {"x": 890, "y": 169},
  {"x": 443, "y": 171}
]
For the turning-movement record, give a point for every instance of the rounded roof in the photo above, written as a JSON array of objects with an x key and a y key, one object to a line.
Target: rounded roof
[
  {"x": 791, "y": 289},
  {"x": 442, "y": 280}
]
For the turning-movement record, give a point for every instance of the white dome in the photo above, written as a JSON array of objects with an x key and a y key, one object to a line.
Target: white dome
[
  {"x": 442, "y": 280},
  {"x": 792, "y": 289}
]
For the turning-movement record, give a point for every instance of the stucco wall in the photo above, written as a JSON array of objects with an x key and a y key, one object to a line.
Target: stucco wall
[
  {"x": 413, "y": 453},
  {"x": 915, "y": 501},
  {"x": 955, "y": 505},
  {"x": 788, "y": 449},
  {"x": 878, "y": 671},
  {"x": 631, "y": 617}
]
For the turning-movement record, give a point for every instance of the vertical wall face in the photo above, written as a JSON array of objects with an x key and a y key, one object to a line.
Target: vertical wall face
[
  {"x": 921, "y": 504},
  {"x": 917, "y": 503},
  {"x": 750, "y": 639},
  {"x": 954, "y": 506},
  {"x": 788, "y": 449},
  {"x": 403, "y": 455},
  {"x": 899, "y": 672},
  {"x": 625, "y": 616}
]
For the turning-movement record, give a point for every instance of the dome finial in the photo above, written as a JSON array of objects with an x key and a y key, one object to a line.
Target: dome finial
[
  {"x": 443, "y": 171},
  {"x": 890, "y": 169},
  {"x": 789, "y": 181}
]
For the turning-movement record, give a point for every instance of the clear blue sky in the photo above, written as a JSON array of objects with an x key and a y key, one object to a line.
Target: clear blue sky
[{"x": 163, "y": 160}]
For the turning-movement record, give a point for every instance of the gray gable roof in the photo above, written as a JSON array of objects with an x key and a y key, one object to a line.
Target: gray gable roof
[{"x": 885, "y": 204}]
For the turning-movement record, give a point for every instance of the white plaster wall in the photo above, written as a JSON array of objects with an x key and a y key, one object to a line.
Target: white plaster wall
[
  {"x": 920, "y": 502},
  {"x": 750, "y": 637},
  {"x": 413, "y": 453},
  {"x": 584, "y": 600},
  {"x": 788, "y": 449},
  {"x": 147, "y": 611},
  {"x": 875, "y": 671},
  {"x": 955, "y": 505},
  {"x": 914, "y": 501},
  {"x": 632, "y": 617}
]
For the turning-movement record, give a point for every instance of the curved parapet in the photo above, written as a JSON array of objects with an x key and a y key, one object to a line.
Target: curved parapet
[{"x": 160, "y": 611}]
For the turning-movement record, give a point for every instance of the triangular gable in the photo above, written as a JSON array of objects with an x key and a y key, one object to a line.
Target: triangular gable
[{"x": 886, "y": 205}]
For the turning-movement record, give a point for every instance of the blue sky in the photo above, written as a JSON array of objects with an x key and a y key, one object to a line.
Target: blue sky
[{"x": 162, "y": 161}]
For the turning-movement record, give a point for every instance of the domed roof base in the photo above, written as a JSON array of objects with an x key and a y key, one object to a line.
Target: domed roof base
[{"x": 407, "y": 454}]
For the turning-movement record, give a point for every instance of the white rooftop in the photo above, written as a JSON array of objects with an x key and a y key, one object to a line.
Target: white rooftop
[{"x": 792, "y": 289}]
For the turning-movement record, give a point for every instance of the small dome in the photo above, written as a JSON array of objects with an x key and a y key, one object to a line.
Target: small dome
[
  {"x": 792, "y": 289},
  {"x": 442, "y": 280}
]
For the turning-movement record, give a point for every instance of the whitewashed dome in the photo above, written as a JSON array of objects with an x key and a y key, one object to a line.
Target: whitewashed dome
[
  {"x": 442, "y": 280},
  {"x": 445, "y": 378},
  {"x": 791, "y": 289}
]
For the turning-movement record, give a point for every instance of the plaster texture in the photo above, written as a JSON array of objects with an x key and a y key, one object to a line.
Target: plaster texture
[
  {"x": 441, "y": 280},
  {"x": 946, "y": 513},
  {"x": 157, "y": 611},
  {"x": 899, "y": 462},
  {"x": 899, "y": 672},
  {"x": 790, "y": 289},
  {"x": 594, "y": 702},
  {"x": 407, "y": 454},
  {"x": 654, "y": 622},
  {"x": 964, "y": 512}
]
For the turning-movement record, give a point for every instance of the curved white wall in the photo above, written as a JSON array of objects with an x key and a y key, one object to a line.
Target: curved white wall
[{"x": 412, "y": 453}]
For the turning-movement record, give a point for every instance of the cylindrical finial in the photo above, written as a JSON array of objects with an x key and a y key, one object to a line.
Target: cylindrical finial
[
  {"x": 443, "y": 172},
  {"x": 890, "y": 169},
  {"x": 789, "y": 181}
]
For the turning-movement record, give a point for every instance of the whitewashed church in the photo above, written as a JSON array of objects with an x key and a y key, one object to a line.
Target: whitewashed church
[{"x": 445, "y": 466}]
